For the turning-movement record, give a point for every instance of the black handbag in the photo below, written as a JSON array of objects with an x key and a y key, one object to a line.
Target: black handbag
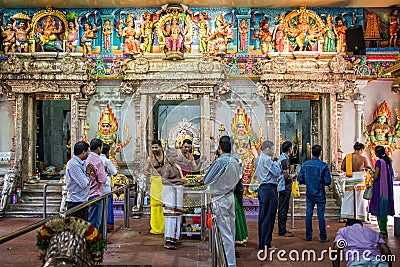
[{"x": 368, "y": 193}]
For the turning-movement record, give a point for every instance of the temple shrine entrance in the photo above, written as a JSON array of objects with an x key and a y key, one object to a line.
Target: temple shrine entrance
[
  {"x": 53, "y": 133},
  {"x": 173, "y": 118},
  {"x": 299, "y": 123}
]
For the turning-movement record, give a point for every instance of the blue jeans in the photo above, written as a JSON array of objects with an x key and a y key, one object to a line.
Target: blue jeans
[
  {"x": 96, "y": 213},
  {"x": 321, "y": 219}
]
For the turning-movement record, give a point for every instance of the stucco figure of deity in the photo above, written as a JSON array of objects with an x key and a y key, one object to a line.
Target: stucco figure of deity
[
  {"x": 279, "y": 34},
  {"x": 8, "y": 35},
  {"x": 175, "y": 35},
  {"x": 89, "y": 34},
  {"x": 329, "y": 35},
  {"x": 21, "y": 35},
  {"x": 147, "y": 30},
  {"x": 304, "y": 33},
  {"x": 203, "y": 30},
  {"x": 265, "y": 35},
  {"x": 49, "y": 30},
  {"x": 72, "y": 37},
  {"x": 107, "y": 132},
  {"x": 379, "y": 132},
  {"x": 341, "y": 36},
  {"x": 245, "y": 146},
  {"x": 218, "y": 40},
  {"x": 131, "y": 45}
]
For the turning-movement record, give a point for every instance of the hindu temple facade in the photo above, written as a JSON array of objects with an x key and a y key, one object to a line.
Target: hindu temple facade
[{"x": 176, "y": 70}]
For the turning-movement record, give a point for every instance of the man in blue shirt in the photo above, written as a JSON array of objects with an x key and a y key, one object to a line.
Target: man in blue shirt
[
  {"x": 315, "y": 174},
  {"x": 267, "y": 172},
  {"x": 76, "y": 180},
  {"x": 222, "y": 177}
]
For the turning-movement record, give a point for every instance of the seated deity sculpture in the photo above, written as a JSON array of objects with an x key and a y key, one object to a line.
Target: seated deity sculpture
[
  {"x": 218, "y": 40},
  {"x": 303, "y": 31}
]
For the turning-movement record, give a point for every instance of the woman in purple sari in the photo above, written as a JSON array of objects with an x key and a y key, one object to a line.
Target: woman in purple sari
[{"x": 382, "y": 203}]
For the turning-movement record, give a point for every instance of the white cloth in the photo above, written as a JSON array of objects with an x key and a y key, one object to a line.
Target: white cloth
[
  {"x": 347, "y": 209},
  {"x": 110, "y": 170},
  {"x": 224, "y": 209},
  {"x": 172, "y": 197}
]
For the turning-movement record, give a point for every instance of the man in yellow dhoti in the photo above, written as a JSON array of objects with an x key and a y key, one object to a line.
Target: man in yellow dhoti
[
  {"x": 354, "y": 166},
  {"x": 154, "y": 163}
]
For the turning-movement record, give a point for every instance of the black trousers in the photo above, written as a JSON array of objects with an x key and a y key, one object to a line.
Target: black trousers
[
  {"x": 268, "y": 198},
  {"x": 82, "y": 213},
  {"x": 283, "y": 208}
]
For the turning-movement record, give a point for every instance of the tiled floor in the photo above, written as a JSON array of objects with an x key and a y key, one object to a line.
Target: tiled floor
[{"x": 135, "y": 246}]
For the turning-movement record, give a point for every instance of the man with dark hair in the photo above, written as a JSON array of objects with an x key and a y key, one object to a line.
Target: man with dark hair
[
  {"x": 98, "y": 178},
  {"x": 152, "y": 169},
  {"x": 77, "y": 183},
  {"x": 222, "y": 177},
  {"x": 284, "y": 187},
  {"x": 267, "y": 172},
  {"x": 172, "y": 197},
  {"x": 362, "y": 246},
  {"x": 354, "y": 165},
  {"x": 315, "y": 174},
  {"x": 186, "y": 159}
]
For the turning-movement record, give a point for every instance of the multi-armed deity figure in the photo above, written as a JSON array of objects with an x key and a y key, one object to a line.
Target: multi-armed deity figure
[
  {"x": 245, "y": 145},
  {"x": 379, "y": 132},
  {"x": 107, "y": 132},
  {"x": 304, "y": 32},
  {"x": 218, "y": 40},
  {"x": 131, "y": 45}
]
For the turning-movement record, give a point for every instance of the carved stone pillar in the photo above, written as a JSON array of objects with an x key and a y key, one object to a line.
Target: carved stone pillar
[
  {"x": 333, "y": 133},
  {"x": 142, "y": 131},
  {"x": 275, "y": 122},
  {"x": 205, "y": 124},
  {"x": 359, "y": 101},
  {"x": 75, "y": 125},
  {"x": 82, "y": 114},
  {"x": 138, "y": 130}
]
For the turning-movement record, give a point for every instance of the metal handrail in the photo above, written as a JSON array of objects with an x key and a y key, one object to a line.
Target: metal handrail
[
  {"x": 45, "y": 196},
  {"x": 64, "y": 214}
]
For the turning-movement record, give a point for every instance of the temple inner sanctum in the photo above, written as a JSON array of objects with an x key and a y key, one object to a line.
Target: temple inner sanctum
[{"x": 130, "y": 73}]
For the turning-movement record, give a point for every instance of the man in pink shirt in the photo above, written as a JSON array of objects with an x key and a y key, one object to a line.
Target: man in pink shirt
[{"x": 98, "y": 178}]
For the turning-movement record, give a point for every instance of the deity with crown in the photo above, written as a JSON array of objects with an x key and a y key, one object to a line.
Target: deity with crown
[
  {"x": 107, "y": 131},
  {"x": 245, "y": 145},
  {"x": 379, "y": 132}
]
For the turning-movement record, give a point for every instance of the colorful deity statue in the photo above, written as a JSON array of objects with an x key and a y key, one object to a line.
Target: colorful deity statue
[
  {"x": 89, "y": 34},
  {"x": 329, "y": 35},
  {"x": 218, "y": 40},
  {"x": 379, "y": 132},
  {"x": 245, "y": 146},
  {"x": 147, "y": 31},
  {"x": 265, "y": 36},
  {"x": 49, "y": 30},
  {"x": 107, "y": 131},
  {"x": 341, "y": 36},
  {"x": 8, "y": 35},
  {"x": 131, "y": 45},
  {"x": 303, "y": 28},
  {"x": 21, "y": 28}
]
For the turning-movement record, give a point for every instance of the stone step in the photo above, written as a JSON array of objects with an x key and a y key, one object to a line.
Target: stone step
[
  {"x": 28, "y": 214},
  {"x": 34, "y": 207}
]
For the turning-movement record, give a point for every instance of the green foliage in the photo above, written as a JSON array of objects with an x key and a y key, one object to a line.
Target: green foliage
[{"x": 72, "y": 16}]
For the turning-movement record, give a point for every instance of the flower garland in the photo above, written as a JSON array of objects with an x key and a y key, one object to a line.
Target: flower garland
[{"x": 95, "y": 242}]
